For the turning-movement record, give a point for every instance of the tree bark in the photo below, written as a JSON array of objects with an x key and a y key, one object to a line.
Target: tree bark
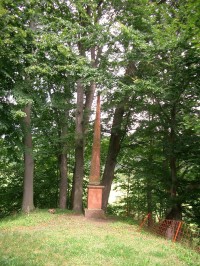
[
  {"x": 175, "y": 210},
  {"x": 149, "y": 200},
  {"x": 172, "y": 139},
  {"x": 27, "y": 204},
  {"x": 88, "y": 105},
  {"x": 150, "y": 176},
  {"x": 115, "y": 140},
  {"x": 63, "y": 169},
  {"x": 82, "y": 121},
  {"x": 79, "y": 151},
  {"x": 113, "y": 151}
]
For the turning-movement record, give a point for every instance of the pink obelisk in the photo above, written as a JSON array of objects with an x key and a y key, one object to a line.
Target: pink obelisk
[{"x": 94, "y": 203}]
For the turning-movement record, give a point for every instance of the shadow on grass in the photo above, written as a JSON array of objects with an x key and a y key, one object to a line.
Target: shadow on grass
[
  {"x": 29, "y": 219},
  {"x": 123, "y": 219}
]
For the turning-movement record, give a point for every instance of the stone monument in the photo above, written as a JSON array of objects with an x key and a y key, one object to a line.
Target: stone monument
[{"x": 95, "y": 190}]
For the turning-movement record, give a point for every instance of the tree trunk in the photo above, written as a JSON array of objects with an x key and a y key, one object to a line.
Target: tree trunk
[
  {"x": 63, "y": 169},
  {"x": 149, "y": 200},
  {"x": 113, "y": 151},
  {"x": 175, "y": 210},
  {"x": 63, "y": 182},
  {"x": 115, "y": 139},
  {"x": 82, "y": 121},
  {"x": 27, "y": 204},
  {"x": 88, "y": 105},
  {"x": 127, "y": 198},
  {"x": 79, "y": 151},
  {"x": 150, "y": 176}
]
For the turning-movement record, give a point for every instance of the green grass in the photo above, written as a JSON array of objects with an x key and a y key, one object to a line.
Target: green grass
[{"x": 68, "y": 239}]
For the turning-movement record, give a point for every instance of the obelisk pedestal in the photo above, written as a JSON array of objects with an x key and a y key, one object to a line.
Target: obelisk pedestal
[
  {"x": 95, "y": 190},
  {"x": 94, "y": 204}
]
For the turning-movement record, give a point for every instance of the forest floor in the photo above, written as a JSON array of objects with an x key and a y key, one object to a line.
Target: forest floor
[{"x": 64, "y": 238}]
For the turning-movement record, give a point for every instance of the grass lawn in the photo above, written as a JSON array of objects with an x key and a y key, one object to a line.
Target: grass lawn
[{"x": 68, "y": 239}]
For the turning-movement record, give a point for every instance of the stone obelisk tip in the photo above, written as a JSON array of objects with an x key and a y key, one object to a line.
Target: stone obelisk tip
[
  {"x": 94, "y": 177},
  {"x": 95, "y": 191}
]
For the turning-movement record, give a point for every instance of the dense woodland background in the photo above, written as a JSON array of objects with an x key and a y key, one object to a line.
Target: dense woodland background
[{"x": 143, "y": 57}]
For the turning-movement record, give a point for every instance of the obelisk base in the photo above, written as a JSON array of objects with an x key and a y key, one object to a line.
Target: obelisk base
[
  {"x": 94, "y": 205},
  {"x": 95, "y": 214}
]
